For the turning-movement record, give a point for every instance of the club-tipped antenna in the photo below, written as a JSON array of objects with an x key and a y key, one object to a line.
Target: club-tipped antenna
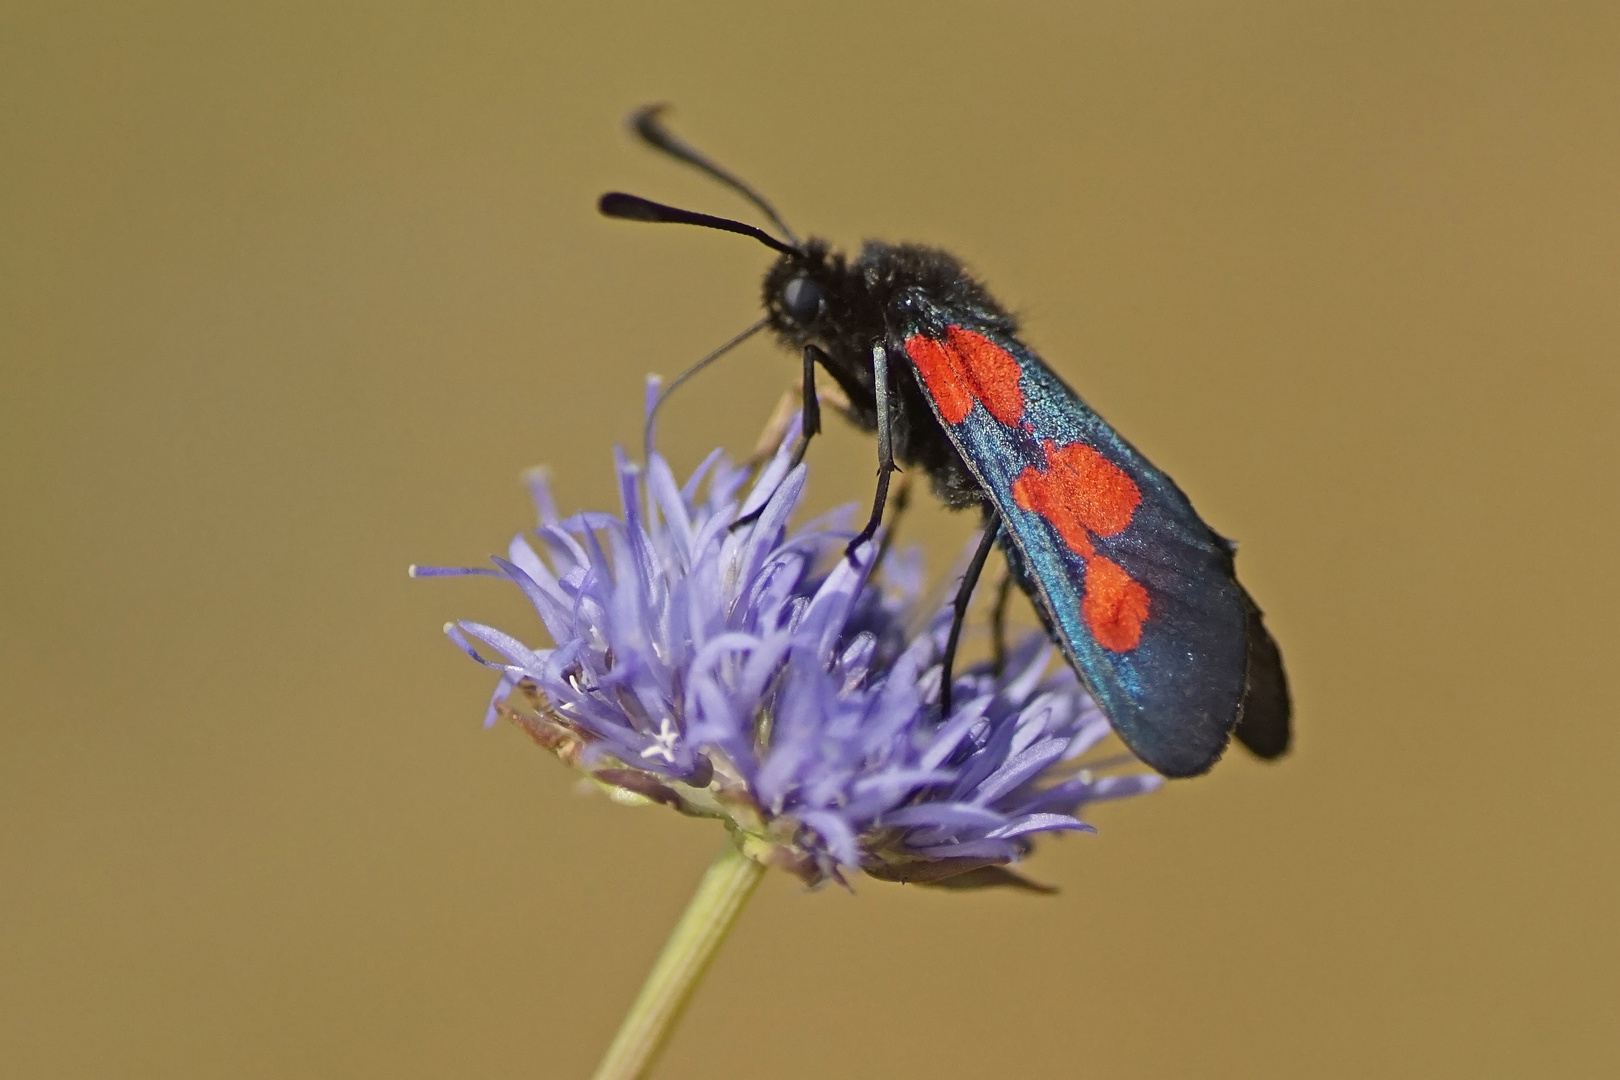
[
  {"x": 647, "y": 124},
  {"x": 663, "y": 396},
  {"x": 616, "y": 204}
]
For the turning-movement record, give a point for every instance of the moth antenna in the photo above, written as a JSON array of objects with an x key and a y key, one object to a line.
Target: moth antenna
[
  {"x": 647, "y": 124},
  {"x": 616, "y": 204}
]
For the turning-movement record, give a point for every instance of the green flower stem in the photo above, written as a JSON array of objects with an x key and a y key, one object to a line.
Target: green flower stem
[{"x": 709, "y": 916}]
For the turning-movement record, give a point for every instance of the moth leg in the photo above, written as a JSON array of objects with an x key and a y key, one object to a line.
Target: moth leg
[
  {"x": 964, "y": 594},
  {"x": 792, "y": 401},
  {"x": 901, "y": 500},
  {"x": 998, "y": 626},
  {"x": 809, "y": 427},
  {"x": 885, "y": 426}
]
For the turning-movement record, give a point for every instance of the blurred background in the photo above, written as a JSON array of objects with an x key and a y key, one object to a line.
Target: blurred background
[{"x": 289, "y": 297}]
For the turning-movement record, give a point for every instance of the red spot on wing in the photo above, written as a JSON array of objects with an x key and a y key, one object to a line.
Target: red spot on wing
[
  {"x": 1115, "y": 605},
  {"x": 942, "y": 373},
  {"x": 1081, "y": 493},
  {"x": 968, "y": 367},
  {"x": 995, "y": 374}
]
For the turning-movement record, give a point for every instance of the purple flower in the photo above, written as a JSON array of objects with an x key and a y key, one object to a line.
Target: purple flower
[{"x": 754, "y": 675}]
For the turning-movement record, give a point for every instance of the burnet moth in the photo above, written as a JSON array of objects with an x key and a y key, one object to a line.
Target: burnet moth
[{"x": 1140, "y": 594}]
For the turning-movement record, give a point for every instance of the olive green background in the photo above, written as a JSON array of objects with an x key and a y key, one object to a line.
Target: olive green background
[{"x": 288, "y": 298}]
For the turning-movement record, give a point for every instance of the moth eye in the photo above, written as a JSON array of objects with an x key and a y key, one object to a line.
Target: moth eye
[{"x": 801, "y": 298}]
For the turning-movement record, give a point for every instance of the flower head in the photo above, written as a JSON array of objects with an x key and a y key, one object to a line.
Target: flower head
[{"x": 754, "y": 674}]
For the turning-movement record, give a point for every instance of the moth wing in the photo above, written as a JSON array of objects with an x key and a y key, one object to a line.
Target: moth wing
[{"x": 1171, "y": 663}]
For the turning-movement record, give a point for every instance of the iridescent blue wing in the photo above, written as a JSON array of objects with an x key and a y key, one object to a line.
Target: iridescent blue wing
[{"x": 1137, "y": 590}]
